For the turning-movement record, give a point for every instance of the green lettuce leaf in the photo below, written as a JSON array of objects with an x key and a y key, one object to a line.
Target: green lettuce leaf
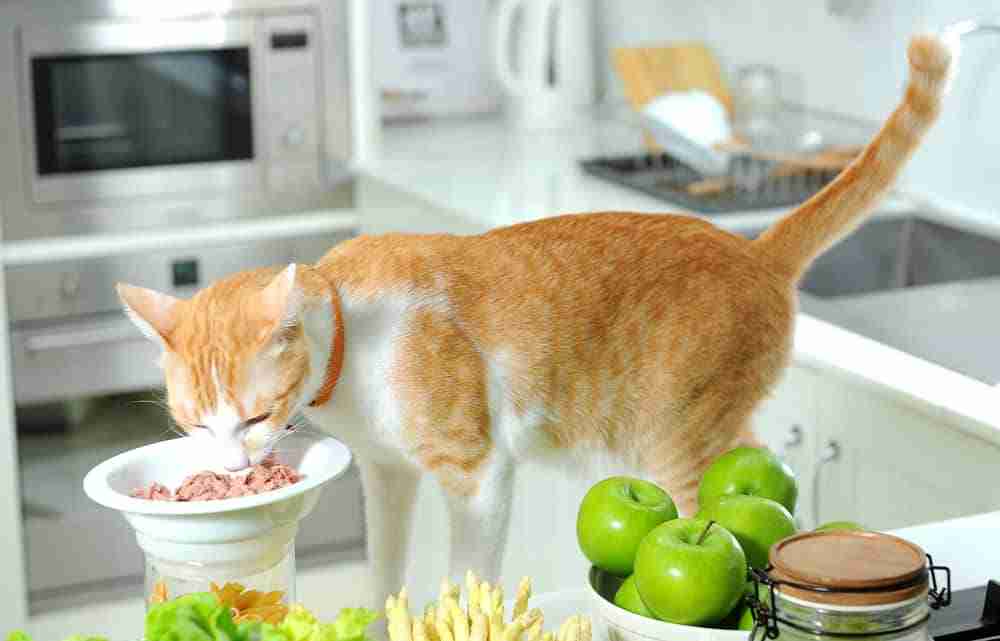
[
  {"x": 192, "y": 617},
  {"x": 200, "y": 617},
  {"x": 350, "y": 625},
  {"x": 255, "y": 631}
]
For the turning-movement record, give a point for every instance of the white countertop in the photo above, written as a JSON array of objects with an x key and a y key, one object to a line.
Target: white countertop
[
  {"x": 967, "y": 545},
  {"x": 489, "y": 175},
  {"x": 26, "y": 252}
]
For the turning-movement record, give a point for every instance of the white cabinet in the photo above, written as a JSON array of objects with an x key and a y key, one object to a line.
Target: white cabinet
[
  {"x": 786, "y": 423},
  {"x": 863, "y": 454},
  {"x": 898, "y": 466}
]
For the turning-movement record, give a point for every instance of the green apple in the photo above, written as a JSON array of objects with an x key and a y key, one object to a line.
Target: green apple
[
  {"x": 690, "y": 571},
  {"x": 615, "y": 515},
  {"x": 749, "y": 470},
  {"x": 628, "y": 597},
  {"x": 756, "y": 522},
  {"x": 842, "y": 525}
]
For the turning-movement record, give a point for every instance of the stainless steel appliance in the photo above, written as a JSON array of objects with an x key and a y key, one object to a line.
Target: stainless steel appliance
[
  {"x": 130, "y": 116},
  {"x": 122, "y": 114}
]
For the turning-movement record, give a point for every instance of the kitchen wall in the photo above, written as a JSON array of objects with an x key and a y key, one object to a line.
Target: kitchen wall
[{"x": 852, "y": 64}]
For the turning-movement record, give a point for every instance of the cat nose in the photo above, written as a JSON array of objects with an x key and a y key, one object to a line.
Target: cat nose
[{"x": 236, "y": 460}]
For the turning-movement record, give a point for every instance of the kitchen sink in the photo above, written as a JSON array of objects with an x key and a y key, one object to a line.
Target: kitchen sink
[
  {"x": 900, "y": 253},
  {"x": 925, "y": 288}
]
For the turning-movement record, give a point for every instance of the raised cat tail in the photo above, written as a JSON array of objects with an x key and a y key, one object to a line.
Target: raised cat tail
[{"x": 796, "y": 240}]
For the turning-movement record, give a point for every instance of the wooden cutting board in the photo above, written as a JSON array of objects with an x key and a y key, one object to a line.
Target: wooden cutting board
[{"x": 648, "y": 72}]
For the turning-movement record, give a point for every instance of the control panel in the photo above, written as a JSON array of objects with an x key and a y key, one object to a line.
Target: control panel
[{"x": 291, "y": 110}]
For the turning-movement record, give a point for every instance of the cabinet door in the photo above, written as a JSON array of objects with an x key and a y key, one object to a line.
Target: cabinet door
[
  {"x": 787, "y": 424},
  {"x": 895, "y": 466}
]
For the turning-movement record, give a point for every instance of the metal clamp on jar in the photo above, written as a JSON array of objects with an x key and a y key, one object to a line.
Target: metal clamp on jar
[{"x": 836, "y": 584}]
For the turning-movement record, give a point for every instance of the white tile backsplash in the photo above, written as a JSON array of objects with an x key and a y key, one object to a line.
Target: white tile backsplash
[{"x": 853, "y": 64}]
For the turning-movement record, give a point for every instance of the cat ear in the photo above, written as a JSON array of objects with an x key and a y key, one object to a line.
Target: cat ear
[
  {"x": 155, "y": 314},
  {"x": 279, "y": 302}
]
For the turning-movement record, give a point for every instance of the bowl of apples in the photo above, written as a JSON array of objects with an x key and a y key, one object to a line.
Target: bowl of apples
[{"x": 658, "y": 576}]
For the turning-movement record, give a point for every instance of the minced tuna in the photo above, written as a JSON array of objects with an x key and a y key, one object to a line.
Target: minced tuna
[{"x": 208, "y": 486}]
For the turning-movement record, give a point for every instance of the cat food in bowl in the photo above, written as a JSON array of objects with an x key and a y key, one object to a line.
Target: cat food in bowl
[
  {"x": 623, "y": 625},
  {"x": 207, "y": 485},
  {"x": 208, "y": 536}
]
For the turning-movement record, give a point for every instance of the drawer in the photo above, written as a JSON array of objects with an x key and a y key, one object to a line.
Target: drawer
[{"x": 99, "y": 355}]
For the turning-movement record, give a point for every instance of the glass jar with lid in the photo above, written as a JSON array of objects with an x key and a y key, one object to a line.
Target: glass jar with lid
[{"x": 836, "y": 584}]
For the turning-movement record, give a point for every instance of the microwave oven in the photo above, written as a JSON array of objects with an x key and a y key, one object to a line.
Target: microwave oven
[{"x": 120, "y": 114}]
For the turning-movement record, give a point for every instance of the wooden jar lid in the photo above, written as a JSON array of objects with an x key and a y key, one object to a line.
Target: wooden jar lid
[{"x": 824, "y": 567}]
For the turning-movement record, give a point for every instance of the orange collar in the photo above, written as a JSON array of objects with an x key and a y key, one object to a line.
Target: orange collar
[{"x": 336, "y": 362}]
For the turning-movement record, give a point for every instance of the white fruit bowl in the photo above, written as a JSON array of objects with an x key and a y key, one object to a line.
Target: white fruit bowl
[
  {"x": 623, "y": 625},
  {"x": 199, "y": 542}
]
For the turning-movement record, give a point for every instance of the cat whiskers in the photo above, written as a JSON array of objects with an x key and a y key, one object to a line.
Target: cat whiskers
[
  {"x": 173, "y": 427},
  {"x": 299, "y": 423},
  {"x": 160, "y": 401},
  {"x": 274, "y": 438}
]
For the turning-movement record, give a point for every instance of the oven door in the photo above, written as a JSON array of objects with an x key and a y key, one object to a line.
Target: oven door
[{"x": 132, "y": 109}]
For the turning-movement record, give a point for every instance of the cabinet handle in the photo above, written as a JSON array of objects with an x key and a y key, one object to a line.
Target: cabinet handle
[
  {"x": 794, "y": 437},
  {"x": 829, "y": 454}
]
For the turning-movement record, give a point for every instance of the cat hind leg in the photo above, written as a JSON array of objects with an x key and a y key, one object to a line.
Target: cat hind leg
[{"x": 479, "y": 514}]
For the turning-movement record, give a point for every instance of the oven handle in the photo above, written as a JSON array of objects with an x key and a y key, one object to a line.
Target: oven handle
[{"x": 81, "y": 338}]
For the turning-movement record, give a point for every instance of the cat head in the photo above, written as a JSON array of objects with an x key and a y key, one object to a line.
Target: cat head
[{"x": 242, "y": 357}]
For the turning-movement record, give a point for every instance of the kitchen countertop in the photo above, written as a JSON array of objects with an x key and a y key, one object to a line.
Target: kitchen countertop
[
  {"x": 967, "y": 545},
  {"x": 481, "y": 171},
  {"x": 325, "y": 590}
]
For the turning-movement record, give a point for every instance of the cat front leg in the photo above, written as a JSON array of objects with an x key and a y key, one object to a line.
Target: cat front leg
[
  {"x": 390, "y": 493},
  {"x": 479, "y": 514}
]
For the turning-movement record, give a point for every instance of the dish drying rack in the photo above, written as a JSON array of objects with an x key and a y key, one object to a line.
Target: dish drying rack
[{"x": 751, "y": 183}]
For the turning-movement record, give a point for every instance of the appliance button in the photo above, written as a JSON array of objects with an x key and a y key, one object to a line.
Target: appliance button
[
  {"x": 69, "y": 285},
  {"x": 184, "y": 272}
]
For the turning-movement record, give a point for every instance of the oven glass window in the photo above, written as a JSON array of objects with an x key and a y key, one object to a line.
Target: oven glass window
[{"x": 119, "y": 111}]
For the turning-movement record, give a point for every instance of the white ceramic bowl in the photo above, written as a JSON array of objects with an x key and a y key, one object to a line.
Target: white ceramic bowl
[
  {"x": 239, "y": 536},
  {"x": 623, "y": 625}
]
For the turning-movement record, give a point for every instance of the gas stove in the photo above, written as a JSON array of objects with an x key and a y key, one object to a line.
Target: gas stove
[{"x": 973, "y": 615}]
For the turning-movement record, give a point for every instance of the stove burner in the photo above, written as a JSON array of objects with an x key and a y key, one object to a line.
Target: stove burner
[
  {"x": 974, "y": 614},
  {"x": 752, "y": 187}
]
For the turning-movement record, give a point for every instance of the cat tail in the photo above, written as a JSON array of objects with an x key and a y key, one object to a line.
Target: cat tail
[{"x": 796, "y": 240}]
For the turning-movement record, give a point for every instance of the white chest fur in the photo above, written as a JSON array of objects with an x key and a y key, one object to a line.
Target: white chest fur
[{"x": 363, "y": 410}]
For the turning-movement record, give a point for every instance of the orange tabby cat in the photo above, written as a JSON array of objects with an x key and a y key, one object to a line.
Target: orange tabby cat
[{"x": 645, "y": 339}]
